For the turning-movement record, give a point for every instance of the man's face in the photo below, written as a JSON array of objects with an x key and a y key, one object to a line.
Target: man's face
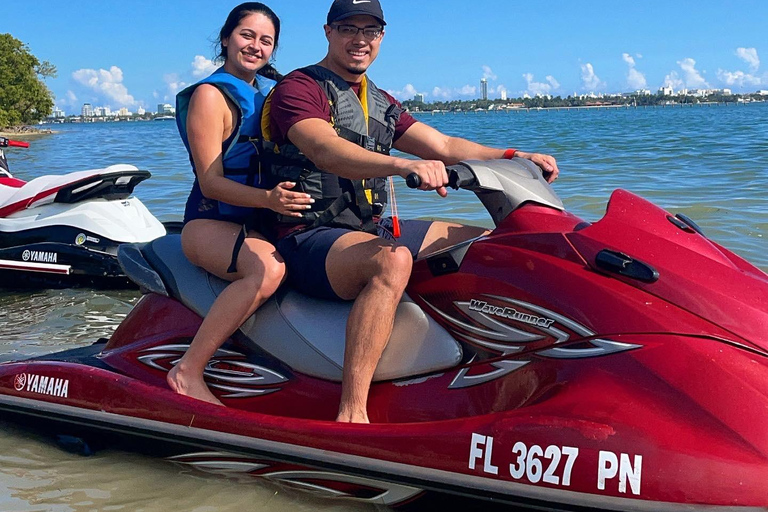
[{"x": 354, "y": 53}]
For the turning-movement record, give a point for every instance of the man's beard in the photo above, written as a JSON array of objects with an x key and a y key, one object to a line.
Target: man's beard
[{"x": 357, "y": 70}]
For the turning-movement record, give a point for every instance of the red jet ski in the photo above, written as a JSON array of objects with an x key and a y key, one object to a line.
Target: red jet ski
[{"x": 556, "y": 364}]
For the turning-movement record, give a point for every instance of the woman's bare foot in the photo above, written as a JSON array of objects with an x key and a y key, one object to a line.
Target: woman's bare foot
[
  {"x": 352, "y": 417},
  {"x": 190, "y": 385}
]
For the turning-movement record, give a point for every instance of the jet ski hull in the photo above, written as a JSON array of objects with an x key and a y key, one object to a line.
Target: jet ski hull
[{"x": 567, "y": 444}]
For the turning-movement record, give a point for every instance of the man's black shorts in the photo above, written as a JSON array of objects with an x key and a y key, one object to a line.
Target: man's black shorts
[{"x": 305, "y": 253}]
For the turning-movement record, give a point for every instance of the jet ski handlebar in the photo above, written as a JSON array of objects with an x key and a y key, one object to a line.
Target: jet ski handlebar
[
  {"x": 459, "y": 176},
  {"x": 4, "y": 143}
]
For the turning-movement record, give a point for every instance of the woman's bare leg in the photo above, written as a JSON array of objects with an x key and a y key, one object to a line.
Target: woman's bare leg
[{"x": 260, "y": 270}]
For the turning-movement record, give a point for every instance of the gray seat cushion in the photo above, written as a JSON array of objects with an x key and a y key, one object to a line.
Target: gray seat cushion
[{"x": 306, "y": 333}]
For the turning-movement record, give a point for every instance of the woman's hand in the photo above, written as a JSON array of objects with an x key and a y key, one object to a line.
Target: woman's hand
[
  {"x": 282, "y": 200},
  {"x": 547, "y": 163}
]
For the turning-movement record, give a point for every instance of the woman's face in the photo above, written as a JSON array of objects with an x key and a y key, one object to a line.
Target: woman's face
[{"x": 250, "y": 45}]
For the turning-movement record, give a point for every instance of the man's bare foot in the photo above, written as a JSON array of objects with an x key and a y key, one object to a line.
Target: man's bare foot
[{"x": 191, "y": 386}]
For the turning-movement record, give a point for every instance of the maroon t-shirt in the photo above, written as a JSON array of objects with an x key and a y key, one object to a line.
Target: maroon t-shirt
[{"x": 298, "y": 97}]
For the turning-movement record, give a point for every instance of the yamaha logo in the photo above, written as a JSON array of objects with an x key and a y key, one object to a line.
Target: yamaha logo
[
  {"x": 40, "y": 256},
  {"x": 41, "y": 384},
  {"x": 20, "y": 381}
]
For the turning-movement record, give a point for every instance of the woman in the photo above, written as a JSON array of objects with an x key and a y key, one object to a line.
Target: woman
[{"x": 217, "y": 119}]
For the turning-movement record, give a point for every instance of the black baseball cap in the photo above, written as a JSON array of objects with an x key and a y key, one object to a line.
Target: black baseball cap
[{"x": 343, "y": 9}]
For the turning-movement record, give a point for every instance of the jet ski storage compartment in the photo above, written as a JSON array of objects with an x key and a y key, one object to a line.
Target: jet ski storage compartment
[
  {"x": 305, "y": 333},
  {"x": 689, "y": 266}
]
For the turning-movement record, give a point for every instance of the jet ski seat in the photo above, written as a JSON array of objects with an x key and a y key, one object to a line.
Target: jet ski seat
[
  {"x": 305, "y": 333},
  {"x": 112, "y": 182}
]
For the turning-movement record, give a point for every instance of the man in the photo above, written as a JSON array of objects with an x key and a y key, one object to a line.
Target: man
[{"x": 334, "y": 117}]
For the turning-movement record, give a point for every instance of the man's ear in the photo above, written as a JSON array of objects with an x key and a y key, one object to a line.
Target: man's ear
[{"x": 328, "y": 29}]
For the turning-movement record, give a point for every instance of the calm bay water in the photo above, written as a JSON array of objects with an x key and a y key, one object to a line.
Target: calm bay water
[{"x": 710, "y": 163}]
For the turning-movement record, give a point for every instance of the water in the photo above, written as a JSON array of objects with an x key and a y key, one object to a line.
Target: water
[{"x": 710, "y": 163}]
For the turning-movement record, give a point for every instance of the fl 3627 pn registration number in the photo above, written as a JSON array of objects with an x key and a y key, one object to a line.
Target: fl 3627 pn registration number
[{"x": 554, "y": 465}]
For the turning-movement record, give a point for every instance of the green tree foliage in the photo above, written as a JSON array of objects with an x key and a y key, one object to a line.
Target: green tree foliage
[{"x": 24, "y": 97}]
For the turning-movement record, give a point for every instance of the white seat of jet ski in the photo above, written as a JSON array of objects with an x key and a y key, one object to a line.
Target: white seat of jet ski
[
  {"x": 306, "y": 333},
  {"x": 42, "y": 190}
]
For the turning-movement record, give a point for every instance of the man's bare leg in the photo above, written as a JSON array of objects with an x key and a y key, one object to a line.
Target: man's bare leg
[{"x": 375, "y": 273}]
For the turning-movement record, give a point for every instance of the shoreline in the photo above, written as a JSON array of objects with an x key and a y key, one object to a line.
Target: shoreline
[
  {"x": 25, "y": 131},
  {"x": 586, "y": 107}
]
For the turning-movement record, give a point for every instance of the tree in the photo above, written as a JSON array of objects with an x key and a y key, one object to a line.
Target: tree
[{"x": 24, "y": 97}]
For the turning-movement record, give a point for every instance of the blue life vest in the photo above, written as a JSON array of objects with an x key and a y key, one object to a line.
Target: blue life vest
[{"x": 240, "y": 150}]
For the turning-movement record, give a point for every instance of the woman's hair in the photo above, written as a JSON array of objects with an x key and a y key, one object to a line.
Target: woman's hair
[{"x": 233, "y": 20}]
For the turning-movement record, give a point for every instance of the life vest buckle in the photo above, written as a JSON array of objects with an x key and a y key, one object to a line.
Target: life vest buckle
[{"x": 369, "y": 143}]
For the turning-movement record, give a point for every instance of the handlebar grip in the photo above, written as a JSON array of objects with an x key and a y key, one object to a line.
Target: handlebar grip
[
  {"x": 413, "y": 180},
  {"x": 4, "y": 143}
]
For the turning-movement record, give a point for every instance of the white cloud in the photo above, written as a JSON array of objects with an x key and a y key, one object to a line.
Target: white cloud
[
  {"x": 673, "y": 80},
  {"x": 407, "y": 93},
  {"x": 202, "y": 66},
  {"x": 174, "y": 85},
  {"x": 628, "y": 59},
  {"x": 589, "y": 80},
  {"x": 749, "y": 55},
  {"x": 737, "y": 78},
  {"x": 501, "y": 88},
  {"x": 635, "y": 79},
  {"x": 693, "y": 78},
  {"x": 107, "y": 84},
  {"x": 740, "y": 78},
  {"x": 69, "y": 100},
  {"x": 488, "y": 73},
  {"x": 541, "y": 87},
  {"x": 440, "y": 93}
]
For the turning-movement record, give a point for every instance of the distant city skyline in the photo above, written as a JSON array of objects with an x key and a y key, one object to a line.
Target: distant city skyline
[{"x": 148, "y": 51}]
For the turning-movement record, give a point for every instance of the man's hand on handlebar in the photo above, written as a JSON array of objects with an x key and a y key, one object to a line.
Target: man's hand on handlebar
[
  {"x": 546, "y": 163},
  {"x": 432, "y": 175}
]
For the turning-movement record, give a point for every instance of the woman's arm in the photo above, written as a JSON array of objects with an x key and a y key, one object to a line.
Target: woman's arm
[{"x": 210, "y": 121}]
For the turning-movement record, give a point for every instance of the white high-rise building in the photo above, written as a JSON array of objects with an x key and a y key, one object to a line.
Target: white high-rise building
[
  {"x": 484, "y": 85},
  {"x": 503, "y": 95},
  {"x": 87, "y": 110}
]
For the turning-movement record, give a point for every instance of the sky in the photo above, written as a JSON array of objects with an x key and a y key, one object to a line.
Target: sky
[{"x": 132, "y": 53}]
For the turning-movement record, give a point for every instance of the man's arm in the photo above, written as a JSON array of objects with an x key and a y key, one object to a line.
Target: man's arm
[
  {"x": 329, "y": 152},
  {"x": 425, "y": 142}
]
